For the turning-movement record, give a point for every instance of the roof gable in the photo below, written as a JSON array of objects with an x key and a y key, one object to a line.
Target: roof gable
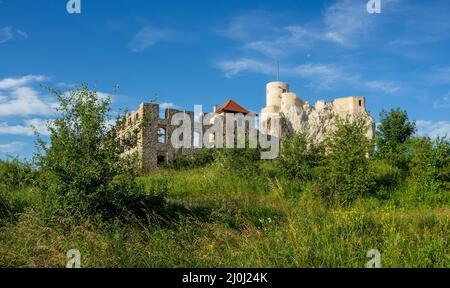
[{"x": 231, "y": 106}]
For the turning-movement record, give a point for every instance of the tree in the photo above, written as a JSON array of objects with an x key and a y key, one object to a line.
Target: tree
[{"x": 393, "y": 132}]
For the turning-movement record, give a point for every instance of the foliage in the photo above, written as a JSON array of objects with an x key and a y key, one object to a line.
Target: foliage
[
  {"x": 344, "y": 173},
  {"x": 247, "y": 224},
  {"x": 15, "y": 174},
  {"x": 239, "y": 161},
  {"x": 242, "y": 212},
  {"x": 202, "y": 158},
  {"x": 430, "y": 161},
  {"x": 300, "y": 156},
  {"x": 384, "y": 174},
  {"x": 83, "y": 164},
  {"x": 393, "y": 132}
]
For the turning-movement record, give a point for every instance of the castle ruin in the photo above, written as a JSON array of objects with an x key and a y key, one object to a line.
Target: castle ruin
[
  {"x": 296, "y": 115},
  {"x": 154, "y": 145}
]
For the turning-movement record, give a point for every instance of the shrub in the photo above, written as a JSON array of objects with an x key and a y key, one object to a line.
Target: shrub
[
  {"x": 383, "y": 176},
  {"x": 15, "y": 174},
  {"x": 240, "y": 161},
  {"x": 344, "y": 173},
  {"x": 83, "y": 166},
  {"x": 300, "y": 157},
  {"x": 4, "y": 209},
  {"x": 430, "y": 160},
  {"x": 203, "y": 158}
]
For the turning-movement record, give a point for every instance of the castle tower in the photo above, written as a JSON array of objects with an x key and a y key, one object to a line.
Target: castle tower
[{"x": 273, "y": 93}]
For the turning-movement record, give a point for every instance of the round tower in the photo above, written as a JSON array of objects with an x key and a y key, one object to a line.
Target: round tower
[
  {"x": 289, "y": 100},
  {"x": 274, "y": 91}
]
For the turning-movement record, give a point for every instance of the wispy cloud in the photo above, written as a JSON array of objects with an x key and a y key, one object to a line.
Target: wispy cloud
[
  {"x": 247, "y": 25},
  {"x": 11, "y": 83},
  {"x": 28, "y": 128},
  {"x": 320, "y": 76},
  {"x": 443, "y": 102},
  {"x": 6, "y": 34},
  {"x": 9, "y": 33},
  {"x": 166, "y": 105},
  {"x": 433, "y": 129},
  {"x": 232, "y": 68},
  {"x": 149, "y": 36},
  {"x": 345, "y": 23},
  {"x": 25, "y": 101},
  {"x": 12, "y": 147},
  {"x": 438, "y": 75}
]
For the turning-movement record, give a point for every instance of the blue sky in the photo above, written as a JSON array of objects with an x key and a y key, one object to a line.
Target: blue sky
[{"x": 205, "y": 52}]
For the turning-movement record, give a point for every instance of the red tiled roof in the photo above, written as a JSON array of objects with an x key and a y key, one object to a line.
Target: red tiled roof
[{"x": 231, "y": 106}]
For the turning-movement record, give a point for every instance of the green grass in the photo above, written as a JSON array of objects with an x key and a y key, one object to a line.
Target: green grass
[{"x": 231, "y": 221}]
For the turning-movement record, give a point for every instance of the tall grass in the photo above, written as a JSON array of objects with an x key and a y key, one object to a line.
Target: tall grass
[{"x": 229, "y": 221}]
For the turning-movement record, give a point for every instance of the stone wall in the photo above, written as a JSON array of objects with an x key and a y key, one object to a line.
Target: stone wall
[{"x": 150, "y": 149}]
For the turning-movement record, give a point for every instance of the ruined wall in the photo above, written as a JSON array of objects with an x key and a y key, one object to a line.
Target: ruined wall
[
  {"x": 296, "y": 115},
  {"x": 149, "y": 148}
]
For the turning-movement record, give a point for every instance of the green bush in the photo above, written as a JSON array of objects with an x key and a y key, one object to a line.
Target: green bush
[
  {"x": 344, "y": 174},
  {"x": 83, "y": 167},
  {"x": 241, "y": 162},
  {"x": 300, "y": 157},
  {"x": 15, "y": 174},
  {"x": 430, "y": 161},
  {"x": 383, "y": 174},
  {"x": 4, "y": 209},
  {"x": 203, "y": 158}
]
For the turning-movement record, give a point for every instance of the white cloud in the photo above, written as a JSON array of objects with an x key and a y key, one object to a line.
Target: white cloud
[
  {"x": 439, "y": 75},
  {"x": 166, "y": 105},
  {"x": 319, "y": 76},
  {"x": 23, "y": 34},
  {"x": 246, "y": 25},
  {"x": 232, "y": 68},
  {"x": 27, "y": 129},
  {"x": 346, "y": 21},
  {"x": 12, "y": 147},
  {"x": 103, "y": 96},
  {"x": 8, "y": 34},
  {"x": 149, "y": 36},
  {"x": 388, "y": 87},
  {"x": 443, "y": 102},
  {"x": 433, "y": 129},
  {"x": 25, "y": 101},
  {"x": 11, "y": 83}
]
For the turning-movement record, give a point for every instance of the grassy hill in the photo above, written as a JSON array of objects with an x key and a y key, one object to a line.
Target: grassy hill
[{"x": 217, "y": 219}]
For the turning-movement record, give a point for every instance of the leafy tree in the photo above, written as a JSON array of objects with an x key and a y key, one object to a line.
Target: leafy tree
[
  {"x": 344, "y": 173},
  {"x": 83, "y": 163},
  {"x": 393, "y": 132},
  {"x": 300, "y": 156}
]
